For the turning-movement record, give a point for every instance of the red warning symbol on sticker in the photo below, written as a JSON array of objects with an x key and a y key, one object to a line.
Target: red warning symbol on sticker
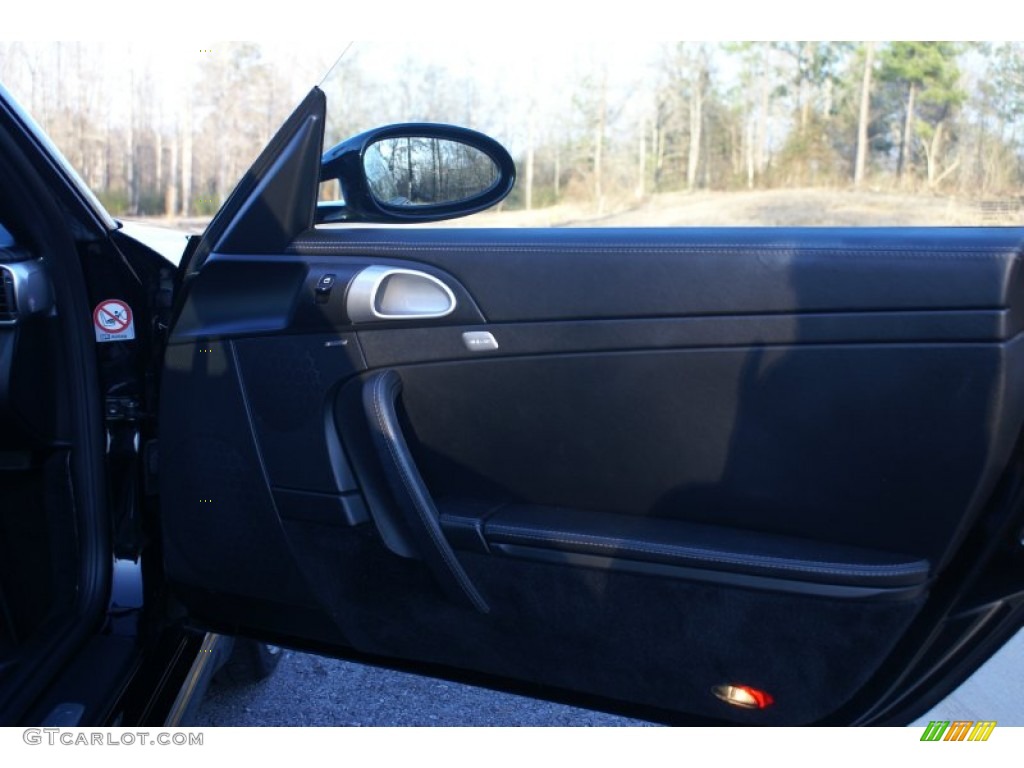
[{"x": 113, "y": 321}]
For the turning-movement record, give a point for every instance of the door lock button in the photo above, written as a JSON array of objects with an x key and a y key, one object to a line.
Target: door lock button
[{"x": 323, "y": 288}]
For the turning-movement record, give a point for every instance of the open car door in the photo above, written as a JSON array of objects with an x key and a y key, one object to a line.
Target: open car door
[{"x": 741, "y": 475}]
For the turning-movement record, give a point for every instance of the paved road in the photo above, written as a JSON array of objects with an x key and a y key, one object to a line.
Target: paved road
[
  {"x": 313, "y": 690},
  {"x": 992, "y": 693}
]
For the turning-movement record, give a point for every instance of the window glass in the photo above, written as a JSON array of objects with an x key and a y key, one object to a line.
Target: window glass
[
  {"x": 719, "y": 134},
  {"x": 636, "y": 134}
]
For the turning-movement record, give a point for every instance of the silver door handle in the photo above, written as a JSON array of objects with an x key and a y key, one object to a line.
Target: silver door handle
[{"x": 388, "y": 293}]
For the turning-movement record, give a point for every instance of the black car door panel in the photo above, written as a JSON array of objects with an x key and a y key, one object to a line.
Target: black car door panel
[
  {"x": 694, "y": 457},
  {"x": 519, "y": 275},
  {"x": 835, "y": 444}
]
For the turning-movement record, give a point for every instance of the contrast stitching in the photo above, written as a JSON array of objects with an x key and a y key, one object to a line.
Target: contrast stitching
[
  {"x": 325, "y": 242},
  {"x": 974, "y": 252},
  {"x": 470, "y": 522},
  {"x": 714, "y": 556}
]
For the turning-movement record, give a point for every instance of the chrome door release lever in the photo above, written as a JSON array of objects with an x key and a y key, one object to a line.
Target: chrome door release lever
[{"x": 380, "y": 293}]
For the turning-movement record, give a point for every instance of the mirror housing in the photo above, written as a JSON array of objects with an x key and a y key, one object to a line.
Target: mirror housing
[{"x": 415, "y": 172}]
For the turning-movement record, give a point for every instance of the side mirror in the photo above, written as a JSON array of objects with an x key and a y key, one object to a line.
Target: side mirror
[{"x": 416, "y": 172}]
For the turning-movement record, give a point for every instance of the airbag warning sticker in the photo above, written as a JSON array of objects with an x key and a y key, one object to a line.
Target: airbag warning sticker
[{"x": 113, "y": 321}]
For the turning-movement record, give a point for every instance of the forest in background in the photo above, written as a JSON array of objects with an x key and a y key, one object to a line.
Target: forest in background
[{"x": 586, "y": 128}]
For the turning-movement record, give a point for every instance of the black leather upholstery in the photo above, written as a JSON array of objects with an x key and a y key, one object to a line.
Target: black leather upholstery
[
  {"x": 379, "y": 394},
  {"x": 545, "y": 274}
]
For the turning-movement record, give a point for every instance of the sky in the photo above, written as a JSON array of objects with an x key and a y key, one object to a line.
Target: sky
[
  {"x": 517, "y": 42},
  {"x": 506, "y": 26}
]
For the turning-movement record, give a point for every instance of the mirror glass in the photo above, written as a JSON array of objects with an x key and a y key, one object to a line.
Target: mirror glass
[{"x": 411, "y": 171}]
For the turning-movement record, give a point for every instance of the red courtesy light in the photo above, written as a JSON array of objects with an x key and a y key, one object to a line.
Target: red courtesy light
[{"x": 744, "y": 696}]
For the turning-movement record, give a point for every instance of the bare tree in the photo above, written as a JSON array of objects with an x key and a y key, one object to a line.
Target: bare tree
[
  {"x": 864, "y": 115},
  {"x": 698, "y": 88}
]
